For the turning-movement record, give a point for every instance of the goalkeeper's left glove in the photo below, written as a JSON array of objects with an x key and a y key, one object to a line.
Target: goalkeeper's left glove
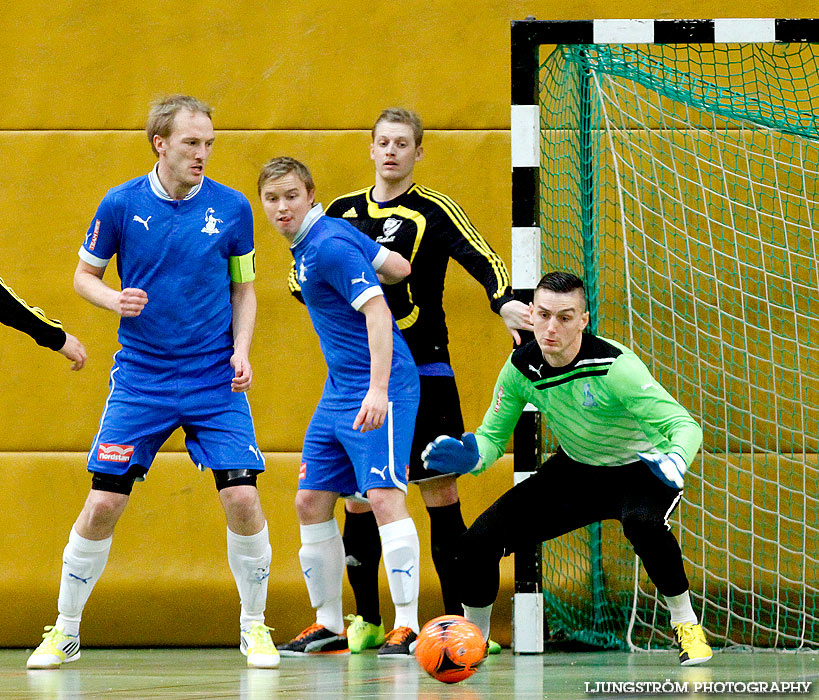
[
  {"x": 669, "y": 468},
  {"x": 452, "y": 456}
]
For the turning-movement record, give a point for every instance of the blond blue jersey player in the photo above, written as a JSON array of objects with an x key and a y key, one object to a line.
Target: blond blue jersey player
[
  {"x": 185, "y": 257},
  {"x": 625, "y": 446},
  {"x": 360, "y": 435}
]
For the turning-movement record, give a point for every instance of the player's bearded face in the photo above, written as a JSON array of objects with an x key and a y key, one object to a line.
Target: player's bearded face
[
  {"x": 393, "y": 151},
  {"x": 559, "y": 320},
  {"x": 286, "y": 202}
]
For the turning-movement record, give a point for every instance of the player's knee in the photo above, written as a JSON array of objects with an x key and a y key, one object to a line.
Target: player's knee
[
  {"x": 314, "y": 506},
  {"x": 639, "y": 528},
  {"x": 388, "y": 504},
  {"x": 439, "y": 492},
  {"x": 102, "y": 509},
  {"x": 241, "y": 502}
]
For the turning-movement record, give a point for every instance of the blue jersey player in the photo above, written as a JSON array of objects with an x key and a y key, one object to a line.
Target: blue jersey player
[
  {"x": 359, "y": 438},
  {"x": 185, "y": 257}
]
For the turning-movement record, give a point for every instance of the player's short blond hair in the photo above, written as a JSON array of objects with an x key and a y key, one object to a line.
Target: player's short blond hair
[
  {"x": 399, "y": 115},
  {"x": 160, "y": 118},
  {"x": 281, "y": 166}
]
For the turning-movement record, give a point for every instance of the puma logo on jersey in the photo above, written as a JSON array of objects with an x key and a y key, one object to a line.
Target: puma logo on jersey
[
  {"x": 537, "y": 370},
  {"x": 142, "y": 221},
  {"x": 361, "y": 279},
  {"x": 381, "y": 472},
  {"x": 256, "y": 452},
  {"x": 351, "y": 213}
]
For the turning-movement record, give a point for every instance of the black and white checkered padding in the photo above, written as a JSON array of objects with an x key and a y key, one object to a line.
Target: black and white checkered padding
[{"x": 667, "y": 31}]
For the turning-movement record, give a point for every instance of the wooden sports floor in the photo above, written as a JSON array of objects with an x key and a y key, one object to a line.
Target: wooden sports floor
[{"x": 202, "y": 674}]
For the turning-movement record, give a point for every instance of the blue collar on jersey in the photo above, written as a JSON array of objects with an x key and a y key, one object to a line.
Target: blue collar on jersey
[
  {"x": 161, "y": 192},
  {"x": 315, "y": 213}
]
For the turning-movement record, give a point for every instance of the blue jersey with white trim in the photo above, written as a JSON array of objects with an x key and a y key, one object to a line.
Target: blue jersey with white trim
[
  {"x": 334, "y": 263},
  {"x": 178, "y": 251}
]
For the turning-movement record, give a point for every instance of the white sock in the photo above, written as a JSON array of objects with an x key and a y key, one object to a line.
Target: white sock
[
  {"x": 83, "y": 563},
  {"x": 402, "y": 556},
  {"x": 481, "y": 617},
  {"x": 680, "y": 608},
  {"x": 249, "y": 559},
  {"x": 322, "y": 563}
]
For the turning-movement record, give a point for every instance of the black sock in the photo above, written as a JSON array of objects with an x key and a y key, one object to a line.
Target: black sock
[
  {"x": 446, "y": 524},
  {"x": 362, "y": 545}
]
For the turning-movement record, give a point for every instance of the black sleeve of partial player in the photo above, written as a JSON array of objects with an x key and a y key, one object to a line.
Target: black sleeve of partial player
[
  {"x": 293, "y": 283},
  {"x": 16, "y": 314}
]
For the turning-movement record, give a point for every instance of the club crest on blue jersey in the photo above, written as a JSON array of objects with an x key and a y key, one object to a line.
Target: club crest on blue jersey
[
  {"x": 302, "y": 271},
  {"x": 210, "y": 222}
]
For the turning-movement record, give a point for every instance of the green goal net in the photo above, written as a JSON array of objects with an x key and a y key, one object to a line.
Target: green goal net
[{"x": 681, "y": 181}]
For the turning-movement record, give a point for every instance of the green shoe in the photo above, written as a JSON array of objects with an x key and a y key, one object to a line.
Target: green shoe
[
  {"x": 255, "y": 643},
  {"x": 56, "y": 649},
  {"x": 363, "y": 635},
  {"x": 494, "y": 647}
]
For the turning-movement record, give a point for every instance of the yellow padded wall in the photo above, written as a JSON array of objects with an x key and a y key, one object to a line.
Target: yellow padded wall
[
  {"x": 51, "y": 408},
  {"x": 168, "y": 558}
]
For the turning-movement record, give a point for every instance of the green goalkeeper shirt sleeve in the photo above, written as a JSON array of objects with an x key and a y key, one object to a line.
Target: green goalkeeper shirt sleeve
[
  {"x": 660, "y": 416},
  {"x": 502, "y": 416}
]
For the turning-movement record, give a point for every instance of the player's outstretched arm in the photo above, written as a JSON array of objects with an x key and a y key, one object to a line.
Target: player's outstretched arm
[
  {"x": 73, "y": 349},
  {"x": 452, "y": 456},
  {"x": 516, "y": 316},
  {"x": 394, "y": 268},
  {"x": 89, "y": 285},
  {"x": 373, "y": 410}
]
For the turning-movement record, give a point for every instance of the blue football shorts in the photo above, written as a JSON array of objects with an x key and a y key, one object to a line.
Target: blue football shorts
[
  {"x": 148, "y": 400},
  {"x": 337, "y": 458}
]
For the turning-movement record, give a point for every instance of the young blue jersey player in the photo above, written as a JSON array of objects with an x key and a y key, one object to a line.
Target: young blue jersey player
[
  {"x": 359, "y": 438},
  {"x": 184, "y": 250},
  {"x": 429, "y": 229}
]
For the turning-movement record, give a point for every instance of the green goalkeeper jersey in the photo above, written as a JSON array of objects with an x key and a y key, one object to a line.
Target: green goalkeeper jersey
[{"x": 604, "y": 407}]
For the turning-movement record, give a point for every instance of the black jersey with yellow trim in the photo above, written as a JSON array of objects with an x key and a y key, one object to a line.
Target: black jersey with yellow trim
[
  {"x": 14, "y": 312},
  {"x": 427, "y": 228}
]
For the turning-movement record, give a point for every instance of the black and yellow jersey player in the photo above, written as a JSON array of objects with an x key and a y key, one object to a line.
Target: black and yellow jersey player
[
  {"x": 428, "y": 229},
  {"x": 46, "y": 332}
]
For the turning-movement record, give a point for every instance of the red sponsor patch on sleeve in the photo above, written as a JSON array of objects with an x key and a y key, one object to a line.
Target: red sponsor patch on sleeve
[
  {"x": 93, "y": 243},
  {"x": 498, "y": 399},
  {"x": 303, "y": 471}
]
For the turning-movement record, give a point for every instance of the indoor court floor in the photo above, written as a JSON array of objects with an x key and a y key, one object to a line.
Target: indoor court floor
[{"x": 202, "y": 674}]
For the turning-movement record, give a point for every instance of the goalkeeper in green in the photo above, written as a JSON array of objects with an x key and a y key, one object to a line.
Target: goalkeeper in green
[{"x": 625, "y": 445}]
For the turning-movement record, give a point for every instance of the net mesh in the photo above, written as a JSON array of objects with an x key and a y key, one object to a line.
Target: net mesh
[{"x": 680, "y": 182}]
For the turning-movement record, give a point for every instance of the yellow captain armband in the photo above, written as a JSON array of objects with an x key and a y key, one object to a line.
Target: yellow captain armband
[{"x": 243, "y": 267}]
